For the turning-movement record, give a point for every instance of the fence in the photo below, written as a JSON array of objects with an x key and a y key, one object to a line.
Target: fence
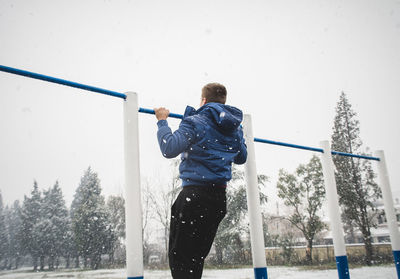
[{"x": 325, "y": 253}]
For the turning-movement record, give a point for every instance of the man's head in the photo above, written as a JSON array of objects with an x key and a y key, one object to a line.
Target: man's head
[{"x": 213, "y": 93}]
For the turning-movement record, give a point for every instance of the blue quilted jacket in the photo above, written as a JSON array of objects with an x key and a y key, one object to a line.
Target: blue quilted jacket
[{"x": 209, "y": 140}]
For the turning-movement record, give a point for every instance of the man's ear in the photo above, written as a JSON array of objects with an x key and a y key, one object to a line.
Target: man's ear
[{"x": 203, "y": 102}]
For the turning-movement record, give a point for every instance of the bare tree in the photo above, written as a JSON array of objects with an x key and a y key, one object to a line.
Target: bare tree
[
  {"x": 147, "y": 215},
  {"x": 162, "y": 201}
]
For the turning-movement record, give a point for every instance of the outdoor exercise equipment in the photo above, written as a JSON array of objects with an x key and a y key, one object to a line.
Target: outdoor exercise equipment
[{"x": 133, "y": 209}]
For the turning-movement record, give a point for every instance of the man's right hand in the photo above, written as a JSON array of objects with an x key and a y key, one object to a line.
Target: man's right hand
[{"x": 161, "y": 113}]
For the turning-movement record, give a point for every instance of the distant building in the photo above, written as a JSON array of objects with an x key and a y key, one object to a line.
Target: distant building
[{"x": 380, "y": 234}]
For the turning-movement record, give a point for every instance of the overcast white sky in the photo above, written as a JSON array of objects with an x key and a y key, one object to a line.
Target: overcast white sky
[{"x": 285, "y": 62}]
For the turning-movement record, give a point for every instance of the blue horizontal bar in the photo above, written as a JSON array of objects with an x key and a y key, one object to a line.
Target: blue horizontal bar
[
  {"x": 314, "y": 149},
  {"x": 289, "y": 145},
  {"x": 355, "y": 155},
  {"x": 61, "y": 81},
  {"x": 151, "y": 111}
]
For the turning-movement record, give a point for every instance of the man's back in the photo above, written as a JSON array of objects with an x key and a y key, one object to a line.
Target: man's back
[{"x": 216, "y": 141}]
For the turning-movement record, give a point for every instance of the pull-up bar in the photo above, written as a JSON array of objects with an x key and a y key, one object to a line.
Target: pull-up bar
[
  {"x": 150, "y": 111},
  {"x": 61, "y": 81},
  {"x": 315, "y": 149},
  {"x": 134, "y": 256}
]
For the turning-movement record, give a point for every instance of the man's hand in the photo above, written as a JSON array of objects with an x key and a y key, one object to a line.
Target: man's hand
[{"x": 161, "y": 113}]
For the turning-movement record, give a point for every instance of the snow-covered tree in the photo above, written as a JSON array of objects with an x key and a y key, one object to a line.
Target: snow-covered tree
[
  {"x": 3, "y": 233},
  {"x": 116, "y": 208},
  {"x": 304, "y": 193},
  {"x": 54, "y": 224},
  {"x": 68, "y": 248},
  {"x": 30, "y": 217},
  {"x": 355, "y": 178},
  {"x": 90, "y": 220},
  {"x": 13, "y": 221}
]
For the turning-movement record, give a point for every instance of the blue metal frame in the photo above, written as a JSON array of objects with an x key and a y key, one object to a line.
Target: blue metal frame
[{"x": 150, "y": 111}]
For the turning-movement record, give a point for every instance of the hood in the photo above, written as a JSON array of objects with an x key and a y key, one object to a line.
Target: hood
[{"x": 227, "y": 118}]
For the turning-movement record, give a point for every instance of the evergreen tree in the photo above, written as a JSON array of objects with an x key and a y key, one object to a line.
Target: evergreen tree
[
  {"x": 13, "y": 220},
  {"x": 3, "y": 234},
  {"x": 54, "y": 224},
  {"x": 90, "y": 220},
  {"x": 304, "y": 192},
  {"x": 68, "y": 248},
  {"x": 356, "y": 186},
  {"x": 30, "y": 217},
  {"x": 229, "y": 241}
]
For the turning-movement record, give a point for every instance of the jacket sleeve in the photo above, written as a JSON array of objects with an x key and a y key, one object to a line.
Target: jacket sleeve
[
  {"x": 241, "y": 156},
  {"x": 173, "y": 144}
]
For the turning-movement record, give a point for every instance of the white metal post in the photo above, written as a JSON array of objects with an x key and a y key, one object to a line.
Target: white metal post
[
  {"x": 389, "y": 208},
  {"x": 133, "y": 208},
  {"x": 334, "y": 211},
  {"x": 253, "y": 204}
]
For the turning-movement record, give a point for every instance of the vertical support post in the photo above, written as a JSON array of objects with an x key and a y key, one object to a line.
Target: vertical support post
[
  {"x": 253, "y": 204},
  {"x": 389, "y": 208},
  {"x": 334, "y": 211},
  {"x": 133, "y": 208}
]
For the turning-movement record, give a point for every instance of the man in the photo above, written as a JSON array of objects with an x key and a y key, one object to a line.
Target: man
[{"x": 210, "y": 139}]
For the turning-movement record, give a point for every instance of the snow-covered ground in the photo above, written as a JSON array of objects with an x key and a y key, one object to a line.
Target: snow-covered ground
[{"x": 384, "y": 272}]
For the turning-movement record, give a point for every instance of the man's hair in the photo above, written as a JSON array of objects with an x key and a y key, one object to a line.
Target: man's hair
[{"x": 214, "y": 93}]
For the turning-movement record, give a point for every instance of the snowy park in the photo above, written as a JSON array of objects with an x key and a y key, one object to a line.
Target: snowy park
[{"x": 143, "y": 134}]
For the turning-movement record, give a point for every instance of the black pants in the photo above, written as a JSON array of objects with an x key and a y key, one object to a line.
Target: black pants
[{"x": 195, "y": 216}]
